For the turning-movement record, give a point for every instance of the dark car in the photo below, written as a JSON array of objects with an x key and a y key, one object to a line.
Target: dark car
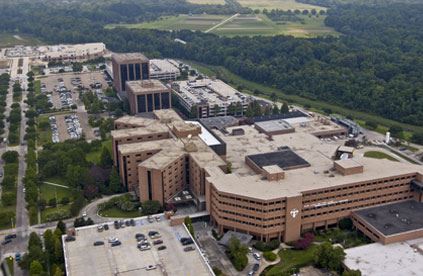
[
  {"x": 139, "y": 235},
  {"x": 186, "y": 241},
  {"x": 106, "y": 227},
  {"x": 97, "y": 243},
  {"x": 156, "y": 242},
  {"x": 117, "y": 224},
  {"x": 163, "y": 247},
  {"x": 11, "y": 236},
  {"x": 116, "y": 243},
  {"x": 127, "y": 223},
  {"x": 18, "y": 257},
  {"x": 70, "y": 238},
  {"x": 6, "y": 242},
  {"x": 132, "y": 222},
  {"x": 189, "y": 248},
  {"x": 256, "y": 267},
  {"x": 152, "y": 233}
]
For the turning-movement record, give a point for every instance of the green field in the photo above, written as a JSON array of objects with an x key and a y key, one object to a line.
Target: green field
[
  {"x": 52, "y": 210},
  {"x": 379, "y": 155},
  {"x": 266, "y": 91},
  {"x": 117, "y": 213},
  {"x": 245, "y": 25},
  {"x": 48, "y": 192},
  {"x": 291, "y": 259},
  {"x": 94, "y": 156},
  {"x": 44, "y": 136},
  {"x": 278, "y": 4},
  {"x": 10, "y": 40}
]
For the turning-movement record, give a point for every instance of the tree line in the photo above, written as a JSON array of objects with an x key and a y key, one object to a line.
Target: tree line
[{"x": 375, "y": 66}]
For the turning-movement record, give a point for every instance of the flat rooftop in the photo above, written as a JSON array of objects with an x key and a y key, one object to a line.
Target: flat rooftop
[
  {"x": 208, "y": 91},
  {"x": 206, "y": 135},
  {"x": 284, "y": 158},
  {"x": 158, "y": 66},
  {"x": 145, "y": 86},
  {"x": 404, "y": 258},
  {"x": 82, "y": 258},
  {"x": 318, "y": 153},
  {"x": 394, "y": 218},
  {"x": 129, "y": 57},
  {"x": 274, "y": 125}
]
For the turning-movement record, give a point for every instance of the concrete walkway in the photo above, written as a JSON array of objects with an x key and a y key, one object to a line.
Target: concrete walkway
[
  {"x": 57, "y": 185},
  {"x": 222, "y": 23}
]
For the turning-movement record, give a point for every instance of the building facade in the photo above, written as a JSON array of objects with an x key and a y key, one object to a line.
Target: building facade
[
  {"x": 274, "y": 188},
  {"x": 147, "y": 96},
  {"x": 129, "y": 67}
]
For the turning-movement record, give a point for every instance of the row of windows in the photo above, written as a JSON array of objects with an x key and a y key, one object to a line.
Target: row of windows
[
  {"x": 359, "y": 192},
  {"x": 251, "y": 217},
  {"x": 252, "y": 201},
  {"x": 231, "y": 203},
  {"x": 140, "y": 138},
  {"x": 365, "y": 227},
  {"x": 252, "y": 223},
  {"x": 305, "y": 215},
  {"x": 359, "y": 185}
]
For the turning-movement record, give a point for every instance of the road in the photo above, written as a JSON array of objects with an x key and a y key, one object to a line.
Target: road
[{"x": 221, "y": 23}]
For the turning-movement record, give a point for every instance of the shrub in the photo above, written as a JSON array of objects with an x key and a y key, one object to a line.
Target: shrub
[
  {"x": 10, "y": 156},
  {"x": 52, "y": 202},
  {"x": 267, "y": 246},
  {"x": 61, "y": 214},
  {"x": 65, "y": 201},
  {"x": 305, "y": 241},
  {"x": 346, "y": 224},
  {"x": 270, "y": 256}
]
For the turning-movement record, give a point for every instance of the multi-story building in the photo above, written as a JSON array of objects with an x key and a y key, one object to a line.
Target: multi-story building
[
  {"x": 206, "y": 98},
  {"x": 147, "y": 96},
  {"x": 129, "y": 67},
  {"x": 276, "y": 187},
  {"x": 164, "y": 69}
]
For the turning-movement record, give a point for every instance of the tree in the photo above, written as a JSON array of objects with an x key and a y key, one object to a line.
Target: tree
[
  {"x": 275, "y": 109},
  {"x": 52, "y": 202},
  {"x": 58, "y": 250},
  {"x": 237, "y": 253},
  {"x": 150, "y": 207},
  {"x": 61, "y": 226},
  {"x": 10, "y": 156},
  {"x": 329, "y": 257},
  {"x": 58, "y": 272},
  {"x": 34, "y": 241},
  {"x": 114, "y": 181},
  {"x": 36, "y": 269},
  {"x": 273, "y": 97},
  {"x": 284, "y": 108},
  {"x": 351, "y": 273},
  {"x": 396, "y": 131},
  {"x": 105, "y": 158}
]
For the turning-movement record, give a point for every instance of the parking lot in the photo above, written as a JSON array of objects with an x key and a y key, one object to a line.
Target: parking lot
[
  {"x": 64, "y": 87},
  {"x": 83, "y": 258}
]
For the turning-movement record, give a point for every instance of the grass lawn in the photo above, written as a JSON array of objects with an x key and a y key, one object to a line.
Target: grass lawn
[
  {"x": 37, "y": 87},
  {"x": 48, "y": 211},
  {"x": 347, "y": 238},
  {"x": 251, "y": 25},
  {"x": 7, "y": 224},
  {"x": 117, "y": 213},
  {"x": 291, "y": 259},
  {"x": 57, "y": 180},
  {"x": 48, "y": 192},
  {"x": 379, "y": 155},
  {"x": 278, "y": 4},
  {"x": 266, "y": 91},
  {"x": 94, "y": 156},
  {"x": 244, "y": 25},
  {"x": 44, "y": 136},
  {"x": 10, "y": 40},
  {"x": 10, "y": 262}
]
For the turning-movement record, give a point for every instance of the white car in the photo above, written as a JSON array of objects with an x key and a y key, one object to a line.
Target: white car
[
  {"x": 257, "y": 256},
  {"x": 113, "y": 239},
  {"x": 84, "y": 214}
]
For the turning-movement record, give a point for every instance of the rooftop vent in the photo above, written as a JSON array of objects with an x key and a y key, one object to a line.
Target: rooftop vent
[{"x": 371, "y": 215}]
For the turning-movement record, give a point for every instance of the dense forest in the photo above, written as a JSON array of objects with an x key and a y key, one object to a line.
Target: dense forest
[{"x": 375, "y": 66}]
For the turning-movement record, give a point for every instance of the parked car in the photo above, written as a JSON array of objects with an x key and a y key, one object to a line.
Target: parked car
[
  {"x": 10, "y": 236},
  {"x": 106, "y": 227},
  {"x": 150, "y": 219},
  {"x": 150, "y": 267},
  {"x": 162, "y": 247},
  {"x": 156, "y": 242},
  {"x": 113, "y": 239},
  {"x": 256, "y": 256},
  {"x": 97, "y": 243},
  {"x": 100, "y": 228},
  {"x": 117, "y": 243},
  {"x": 6, "y": 242},
  {"x": 127, "y": 223},
  {"x": 18, "y": 256},
  {"x": 256, "y": 267},
  {"x": 189, "y": 248},
  {"x": 186, "y": 241},
  {"x": 132, "y": 222},
  {"x": 117, "y": 225},
  {"x": 69, "y": 238}
]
